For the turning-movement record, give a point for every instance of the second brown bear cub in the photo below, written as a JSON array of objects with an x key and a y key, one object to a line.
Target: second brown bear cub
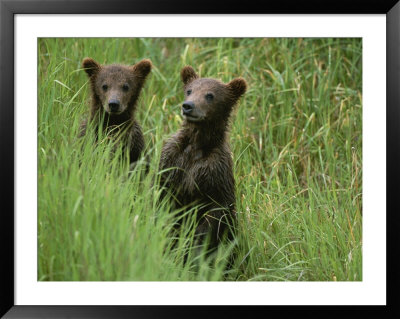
[
  {"x": 115, "y": 90},
  {"x": 199, "y": 155}
]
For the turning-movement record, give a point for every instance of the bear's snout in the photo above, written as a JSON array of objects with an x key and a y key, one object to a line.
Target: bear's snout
[
  {"x": 187, "y": 107},
  {"x": 113, "y": 105}
]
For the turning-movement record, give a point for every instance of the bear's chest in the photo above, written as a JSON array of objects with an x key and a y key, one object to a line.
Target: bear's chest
[{"x": 190, "y": 167}]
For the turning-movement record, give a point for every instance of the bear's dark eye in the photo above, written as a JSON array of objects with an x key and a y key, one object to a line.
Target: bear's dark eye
[
  {"x": 188, "y": 92},
  {"x": 209, "y": 96},
  {"x": 125, "y": 87},
  {"x": 105, "y": 87}
]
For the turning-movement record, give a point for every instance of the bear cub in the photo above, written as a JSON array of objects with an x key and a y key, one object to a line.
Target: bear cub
[
  {"x": 114, "y": 92},
  {"x": 199, "y": 157}
]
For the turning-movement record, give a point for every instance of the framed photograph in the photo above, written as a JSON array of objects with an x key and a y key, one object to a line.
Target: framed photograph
[{"x": 158, "y": 155}]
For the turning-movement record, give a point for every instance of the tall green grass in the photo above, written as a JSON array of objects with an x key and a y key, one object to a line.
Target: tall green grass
[{"x": 296, "y": 143}]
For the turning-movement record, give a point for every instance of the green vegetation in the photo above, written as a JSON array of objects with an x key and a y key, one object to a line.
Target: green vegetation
[{"x": 296, "y": 142}]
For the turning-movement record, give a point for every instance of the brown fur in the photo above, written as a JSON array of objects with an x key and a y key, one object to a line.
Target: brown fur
[
  {"x": 119, "y": 86},
  {"x": 201, "y": 154}
]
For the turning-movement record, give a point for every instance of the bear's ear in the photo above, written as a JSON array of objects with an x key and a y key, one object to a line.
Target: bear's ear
[
  {"x": 142, "y": 68},
  {"x": 237, "y": 87},
  {"x": 91, "y": 66},
  {"x": 188, "y": 74}
]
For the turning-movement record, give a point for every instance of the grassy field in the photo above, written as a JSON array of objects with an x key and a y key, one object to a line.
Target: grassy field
[{"x": 296, "y": 138}]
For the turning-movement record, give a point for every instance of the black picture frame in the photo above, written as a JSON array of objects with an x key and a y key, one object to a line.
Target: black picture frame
[{"x": 9, "y": 8}]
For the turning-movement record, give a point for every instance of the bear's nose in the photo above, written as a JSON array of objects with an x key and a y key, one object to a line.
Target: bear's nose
[
  {"x": 187, "y": 107},
  {"x": 113, "y": 105}
]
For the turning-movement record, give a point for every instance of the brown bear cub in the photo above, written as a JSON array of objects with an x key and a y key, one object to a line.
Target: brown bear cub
[
  {"x": 199, "y": 155},
  {"x": 115, "y": 90}
]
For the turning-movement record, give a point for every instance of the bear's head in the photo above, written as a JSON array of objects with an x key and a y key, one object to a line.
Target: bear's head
[
  {"x": 209, "y": 100},
  {"x": 116, "y": 87}
]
